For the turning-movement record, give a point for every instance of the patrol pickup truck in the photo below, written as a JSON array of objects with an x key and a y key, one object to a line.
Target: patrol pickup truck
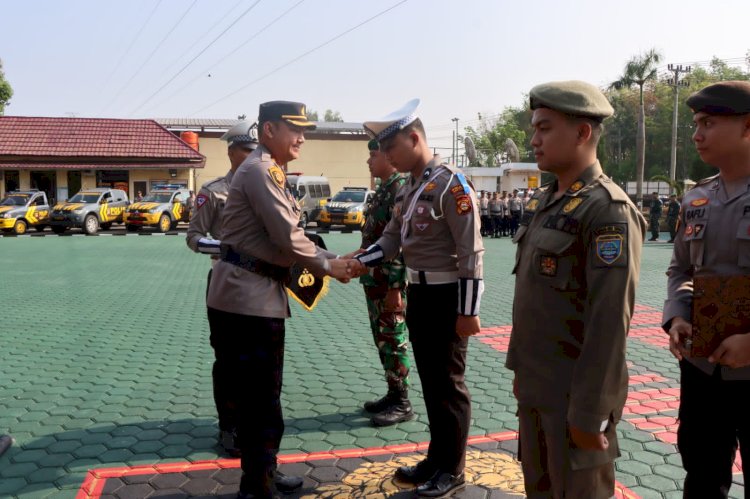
[
  {"x": 162, "y": 208},
  {"x": 346, "y": 208},
  {"x": 90, "y": 210},
  {"x": 20, "y": 210}
]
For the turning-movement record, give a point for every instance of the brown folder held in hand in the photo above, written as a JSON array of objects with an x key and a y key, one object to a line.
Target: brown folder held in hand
[{"x": 721, "y": 308}]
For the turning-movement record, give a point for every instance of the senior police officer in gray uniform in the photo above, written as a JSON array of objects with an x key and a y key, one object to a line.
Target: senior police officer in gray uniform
[
  {"x": 713, "y": 239},
  {"x": 437, "y": 226},
  {"x": 202, "y": 236},
  {"x": 247, "y": 300},
  {"x": 577, "y": 265}
]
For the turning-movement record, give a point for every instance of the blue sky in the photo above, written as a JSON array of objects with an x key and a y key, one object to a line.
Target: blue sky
[{"x": 83, "y": 58}]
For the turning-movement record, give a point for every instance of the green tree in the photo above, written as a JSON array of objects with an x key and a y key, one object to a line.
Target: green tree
[
  {"x": 6, "y": 91},
  {"x": 333, "y": 116},
  {"x": 312, "y": 115},
  {"x": 491, "y": 135},
  {"x": 639, "y": 71}
]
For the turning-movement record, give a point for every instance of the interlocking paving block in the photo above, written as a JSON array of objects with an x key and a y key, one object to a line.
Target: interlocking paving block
[{"x": 126, "y": 367}]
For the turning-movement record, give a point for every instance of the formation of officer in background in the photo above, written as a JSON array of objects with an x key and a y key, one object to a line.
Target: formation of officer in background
[
  {"x": 673, "y": 214},
  {"x": 247, "y": 301},
  {"x": 654, "y": 216},
  {"x": 713, "y": 239},
  {"x": 385, "y": 293},
  {"x": 436, "y": 226},
  {"x": 204, "y": 230},
  {"x": 515, "y": 208},
  {"x": 578, "y": 261}
]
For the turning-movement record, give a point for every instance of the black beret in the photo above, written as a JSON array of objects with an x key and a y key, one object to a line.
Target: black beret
[{"x": 724, "y": 98}]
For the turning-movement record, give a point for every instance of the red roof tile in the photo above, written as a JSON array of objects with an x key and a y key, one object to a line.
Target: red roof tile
[{"x": 105, "y": 139}]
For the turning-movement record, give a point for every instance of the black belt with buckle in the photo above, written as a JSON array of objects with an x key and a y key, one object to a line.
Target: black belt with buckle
[{"x": 255, "y": 265}]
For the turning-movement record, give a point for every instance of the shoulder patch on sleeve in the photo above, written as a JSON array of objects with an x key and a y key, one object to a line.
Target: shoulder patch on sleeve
[
  {"x": 463, "y": 204},
  {"x": 615, "y": 192},
  {"x": 200, "y": 200},
  {"x": 611, "y": 245},
  {"x": 277, "y": 174}
]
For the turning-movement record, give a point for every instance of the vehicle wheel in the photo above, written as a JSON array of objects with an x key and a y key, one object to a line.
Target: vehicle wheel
[
  {"x": 90, "y": 224},
  {"x": 303, "y": 220},
  {"x": 132, "y": 228},
  {"x": 20, "y": 226},
  {"x": 164, "y": 223},
  {"x": 40, "y": 228},
  {"x": 106, "y": 226},
  {"x": 58, "y": 229}
]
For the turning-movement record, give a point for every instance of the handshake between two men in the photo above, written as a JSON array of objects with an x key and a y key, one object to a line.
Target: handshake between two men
[{"x": 351, "y": 265}]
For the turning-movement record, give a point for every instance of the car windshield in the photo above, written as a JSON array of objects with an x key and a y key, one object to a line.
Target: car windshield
[
  {"x": 158, "y": 197},
  {"x": 15, "y": 200},
  {"x": 85, "y": 197},
  {"x": 349, "y": 197}
]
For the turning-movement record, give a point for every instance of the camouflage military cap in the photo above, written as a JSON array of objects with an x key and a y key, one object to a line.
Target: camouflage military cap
[
  {"x": 576, "y": 98},
  {"x": 723, "y": 98}
]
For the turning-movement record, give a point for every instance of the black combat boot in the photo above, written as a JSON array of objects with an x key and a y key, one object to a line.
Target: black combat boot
[
  {"x": 228, "y": 441},
  {"x": 378, "y": 405},
  {"x": 398, "y": 411}
]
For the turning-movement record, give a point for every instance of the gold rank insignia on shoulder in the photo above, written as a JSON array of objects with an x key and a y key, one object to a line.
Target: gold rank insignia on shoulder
[
  {"x": 532, "y": 204},
  {"x": 277, "y": 174},
  {"x": 430, "y": 186},
  {"x": 572, "y": 205},
  {"x": 699, "y": 202},
  {"x": 577, "y": 186}
]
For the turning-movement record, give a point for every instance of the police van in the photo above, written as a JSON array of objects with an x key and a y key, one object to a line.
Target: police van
[
  {"x": 312, "y": 193},
  {"x": 164, "y": 207}
]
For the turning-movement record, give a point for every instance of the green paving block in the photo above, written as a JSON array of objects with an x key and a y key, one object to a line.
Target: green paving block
[
  {"x": 115, "y": 456},
  {"x": 34, "y": 491},
  {"x": 175, "y": 451},
  {"x": 658, "y": 482},
  {"x": 29, "y": 456},
  {"x": 19, "y": 470},
  {"x": 670, "y": 471},
  {"x": 315, "y": 446},
  {"x": 45, "y": 475},
  {"x": 650, "y": 458},
  {"x": 633, "y": 467},
  {"x": 11, "y": 485}
]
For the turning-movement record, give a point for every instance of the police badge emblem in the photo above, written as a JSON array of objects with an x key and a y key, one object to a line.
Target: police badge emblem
[{"x": 277, "y": 174}]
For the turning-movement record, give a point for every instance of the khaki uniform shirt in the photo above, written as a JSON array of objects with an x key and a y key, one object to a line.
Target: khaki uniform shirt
[
  {"x": 205, "y": 218},
  {"x": 713, "y": 238},
  {"x": 436, "y": 224},
  {"x": 577, "y": 267},
  {"x": 261, "y": 220}
]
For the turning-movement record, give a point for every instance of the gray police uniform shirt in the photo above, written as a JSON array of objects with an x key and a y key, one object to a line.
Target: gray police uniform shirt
[
  {"x": 437, "y": 226},
  {"x": 205, "y": 221},
  {"x": 713, "y": 239},
  {"x": 577, "y": 269},
  {"x": 261, "y": 220}
]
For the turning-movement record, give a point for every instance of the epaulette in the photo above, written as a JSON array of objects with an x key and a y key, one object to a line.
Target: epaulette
[
  {"x": 615, "y": 192},
  {"x": 706, "y": 180},
  {"x": 211, "y": 182}
]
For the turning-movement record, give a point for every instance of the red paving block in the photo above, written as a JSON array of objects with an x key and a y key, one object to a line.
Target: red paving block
[{"x": 646, "y": 378}]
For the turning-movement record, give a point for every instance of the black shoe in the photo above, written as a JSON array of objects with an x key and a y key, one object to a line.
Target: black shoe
[
  {"x": 653, "y": 239},
  {"x": 442, "y": 485},
  {"x": 379, "y": 405},
  {"x": 228, "y": 441},
  {"x": 397, "y": 412},
  {"x": 287, "y": 484},
  {"x": 420, "y": 473}
]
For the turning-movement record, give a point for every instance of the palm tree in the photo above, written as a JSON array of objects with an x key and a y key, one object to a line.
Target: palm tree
[{"x": 638, "y": 71}]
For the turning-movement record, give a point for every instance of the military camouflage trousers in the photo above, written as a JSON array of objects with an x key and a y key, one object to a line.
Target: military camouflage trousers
[{"x": 389, "y": 332}]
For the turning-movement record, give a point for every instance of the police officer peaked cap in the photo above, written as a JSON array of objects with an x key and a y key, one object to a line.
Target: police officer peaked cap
[
  {"x": 724, "y": 98},
  {"x": 576, "y": 98},
  {"x": 281, "y": 110},
  {"x": 393, "y": 123},
  {"x": 243, "y": 133}
]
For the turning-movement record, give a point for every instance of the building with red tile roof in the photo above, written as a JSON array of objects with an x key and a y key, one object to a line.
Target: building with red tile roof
[{"x": 63, "y": 155}]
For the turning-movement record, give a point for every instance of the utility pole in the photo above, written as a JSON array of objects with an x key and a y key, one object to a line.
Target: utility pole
[
  {"x": 455, "y": 155},
  {"x": 675, "y": 83}
]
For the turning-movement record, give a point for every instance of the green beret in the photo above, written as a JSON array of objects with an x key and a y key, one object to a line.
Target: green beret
[
  {"x": 727, "y": 98},
  {"x": 576, "y": 98},
  {"x": 373, "y": 145}
]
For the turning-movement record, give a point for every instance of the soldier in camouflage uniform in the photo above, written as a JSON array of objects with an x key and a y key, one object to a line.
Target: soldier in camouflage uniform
[{"x": 385, "y": 290}]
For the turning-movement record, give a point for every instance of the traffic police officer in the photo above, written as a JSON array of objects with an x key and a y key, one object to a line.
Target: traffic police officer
[
  {"x": 577, "y": 265},
  {"x": 247, "y": 302},
  {"x": 202, "y": 236},
  {"x": 713, "y": 239},
  {"x": 437, "y": 226},
  {"x": 385, "y": 291}
]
